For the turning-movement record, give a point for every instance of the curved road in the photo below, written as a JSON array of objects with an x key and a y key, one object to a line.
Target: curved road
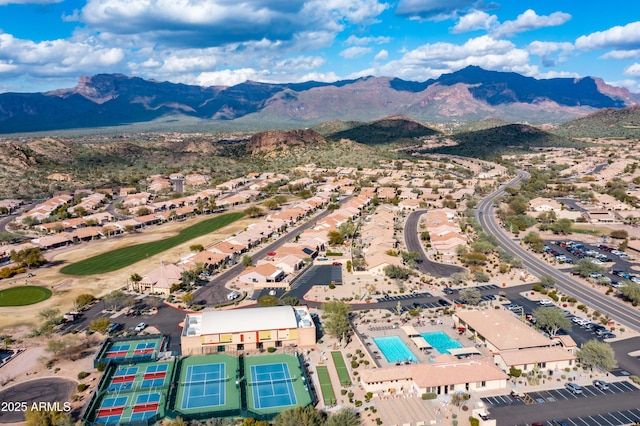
[
  {"x": 412, "y": 240},
  {"x": 620, "y": 312}
]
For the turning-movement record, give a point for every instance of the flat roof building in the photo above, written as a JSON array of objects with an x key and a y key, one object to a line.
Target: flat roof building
[{"x": 247, "y": 329}]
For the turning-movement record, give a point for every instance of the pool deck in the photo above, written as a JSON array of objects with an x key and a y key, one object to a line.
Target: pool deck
[{"x": 422, "y": 325}]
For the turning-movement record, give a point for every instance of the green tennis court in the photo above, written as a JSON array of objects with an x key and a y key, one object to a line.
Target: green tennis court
[
  {"x": 328, "y": 395},
  {"x": 341, "y": 368}
]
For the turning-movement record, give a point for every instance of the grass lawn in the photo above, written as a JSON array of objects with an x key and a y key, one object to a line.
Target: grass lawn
[
  {"x": 23, "y": 295},
  {"x": 126, "y": 256}
]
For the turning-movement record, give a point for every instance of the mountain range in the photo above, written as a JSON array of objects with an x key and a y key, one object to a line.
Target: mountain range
[{"x": 470, "y": 94}]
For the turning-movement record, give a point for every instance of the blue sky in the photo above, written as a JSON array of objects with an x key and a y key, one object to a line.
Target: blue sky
[{"x": 49, "y": 44}]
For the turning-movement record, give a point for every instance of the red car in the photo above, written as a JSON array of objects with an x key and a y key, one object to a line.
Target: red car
[{"x": 336, "y": 264}]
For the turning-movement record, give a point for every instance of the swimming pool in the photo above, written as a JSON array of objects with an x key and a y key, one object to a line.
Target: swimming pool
[
  {"x": 394, "y": 349},
  {"x": 441, "y": 342}
]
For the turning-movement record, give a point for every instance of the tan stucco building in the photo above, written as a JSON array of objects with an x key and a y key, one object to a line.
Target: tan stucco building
[{"x": 247, "y": 329}]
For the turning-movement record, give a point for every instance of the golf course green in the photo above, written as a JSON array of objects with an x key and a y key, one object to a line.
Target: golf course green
[
  {"x": 126, "y": 256},
  {"x": 23, "y": 295}
]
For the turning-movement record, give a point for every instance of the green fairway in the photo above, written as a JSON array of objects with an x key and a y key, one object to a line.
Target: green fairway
[
  {"x": 126, "y": 256},
  {"x": 24, "y": 295},
  {"x": 341, "y": 368}
]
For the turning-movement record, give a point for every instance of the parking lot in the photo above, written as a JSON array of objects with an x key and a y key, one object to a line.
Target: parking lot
[
  {"x": 555, "y": 395},
  {"x": 617, "y": 418}
]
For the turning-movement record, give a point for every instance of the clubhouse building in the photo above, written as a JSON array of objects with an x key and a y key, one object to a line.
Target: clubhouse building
[{"x": 247, "y": 329}]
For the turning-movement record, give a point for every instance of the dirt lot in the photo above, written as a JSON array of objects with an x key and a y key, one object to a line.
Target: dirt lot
[{"x": 65, "y": 287}]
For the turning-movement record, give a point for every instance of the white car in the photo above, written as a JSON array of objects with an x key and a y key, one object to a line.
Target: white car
[
  {"x": 140, "y": 327},
  {"x": 546, "y": 302}
]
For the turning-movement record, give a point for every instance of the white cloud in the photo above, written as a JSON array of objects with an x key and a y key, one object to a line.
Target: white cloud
[
  {"x": 58, "y": 57},
  {"x": 621, "y": 54},
  {"x": 354, "y": 52},
  {"x": 363, "y": 41},
  {"x": 432, "y": 60},
  {"x": 382, "y": 55},
  {"x": 438, "y": 10},
  {"x": 299, "y": 63},
  {"x": 633, "y": 70},
  {"x": 619, "y": 37},
  {"x": 530, "y": 20},
  {"x": 476, "y": 20},
  {"x": 230, "y": 77},
  {"x": 551, "y": 53},
  {"x": 632, "y": 85}
]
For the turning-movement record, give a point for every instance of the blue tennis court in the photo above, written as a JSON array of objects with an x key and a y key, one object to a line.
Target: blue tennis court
[
  {"x": 156, "y": 368},
  {"x": 116, "y": 401},
  {"x": 147, "y": 345},
  {"x": 204, "y": 386},
  {"x": 147, "y": 398},
  {"x": 117, "y": 387},
  {"x": 272, "y": 386},
  {"x": 119, "y": 348},
  {"x": 126, "y": 371}
]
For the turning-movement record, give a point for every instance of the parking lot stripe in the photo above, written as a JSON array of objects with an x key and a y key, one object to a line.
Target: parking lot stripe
[{"x": 607, "y": 419}]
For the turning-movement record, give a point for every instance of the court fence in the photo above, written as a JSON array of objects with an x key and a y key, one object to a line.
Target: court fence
[{"x": 101, "y": 355}]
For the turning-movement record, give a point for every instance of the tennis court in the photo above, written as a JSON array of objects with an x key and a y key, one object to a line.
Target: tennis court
[
  {"x": 118, "y": 351},
  {"x": 204, "y": 386},
  {"x": 144, "y": 348},
  {"x": 154, "y": 376},
  {"x": 111, "y": 410},
  {"x": 146, "y": 406},
  {"x": 272, "y": 386}
]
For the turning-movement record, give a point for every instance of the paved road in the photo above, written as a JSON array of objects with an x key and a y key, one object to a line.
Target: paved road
[
  {"x": 49, "y": 389},
  {"x": 215, "y": 292},
  {"x": 412, "y": 240},
  {"x": 625, "y": 314}
]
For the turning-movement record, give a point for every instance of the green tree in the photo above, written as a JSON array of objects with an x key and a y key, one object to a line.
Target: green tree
[
  {"x": 47, "y": 418},
  {"x": 397, "y": 272},
  {"x": 410, "y": 258},
  {"x": 196, "y": 247},
  {"x": 30, "y": 257},
  {"x": 254, "y": 422},
  {"x": 247, "y": 261},
  {"x": 187, "y": 298},
  {"x": 335, "y": 238},
  {"x": 299, "y": 416},
  {"x": 114, "y": 299},
  {"x": 305, "y": 193},
  {"x": 474, "y": 258},
  {"x": 562, "y": 226},
  {"x": 597, "y": 354},
  {"x": 189, "y": 277},
  {"x": 584, "y": 267},
  {"x": 552, "y": 320},
  {"x": 271, "y": 204},
  {"x": 344, "y": 417},
  {"x": 253, "y": 211},
  {"x": 619, "y": 234},
  {"x": 631, "y": 291},
  {"x": 548, "y": 281},
  {"x": 83, "y": 300},
  {"x": 470, "y": 296},
  {"x": 290, "y": 301},
  {"x": 336, "y": 318},
  {"x": 280, "y": 199},
  {"x": 534, "y": 241},
  {"x": 99, "y": 325}
]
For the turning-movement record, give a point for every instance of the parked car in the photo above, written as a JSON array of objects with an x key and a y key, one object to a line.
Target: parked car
[
  {"x": 560, "y": 423},
  {"x": 608, "y": 336},
  {"x": 601, "y": 384},
  {"x": 573, "y": 388},
  {"x": 546, "y": 302},
  {"x": 448, "y": 290},
  {"x": 336, "y": 264},
  {"x": 140, "y": 327},
  {"x": 114, "y": 326},
  {"x": 514, "y": 307}
]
